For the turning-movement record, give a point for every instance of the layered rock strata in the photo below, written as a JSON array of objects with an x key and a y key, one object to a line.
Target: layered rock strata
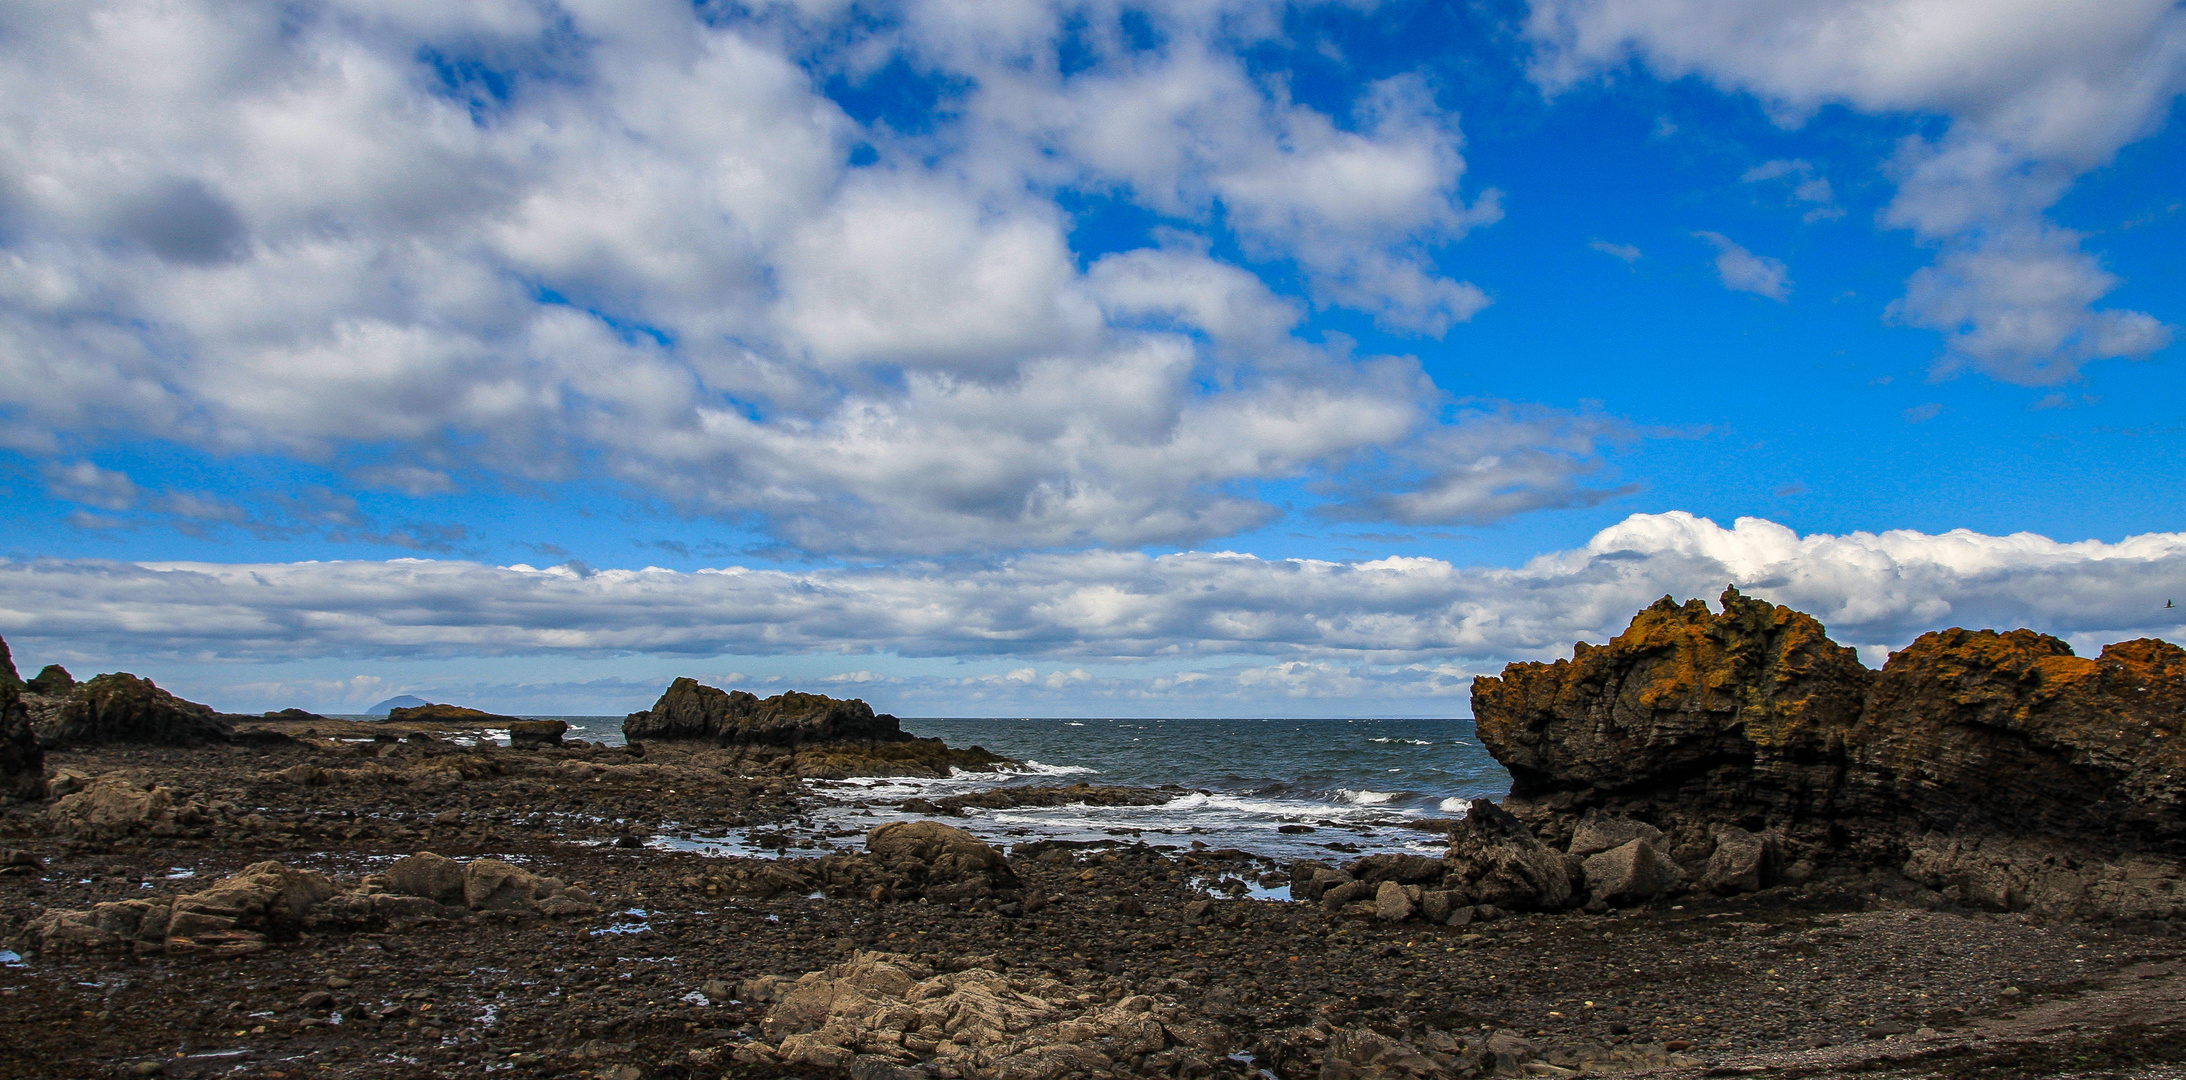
[{"x": 1750, "y": 749}]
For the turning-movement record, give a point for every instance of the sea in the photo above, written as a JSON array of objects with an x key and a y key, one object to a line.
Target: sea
[{"x": 1285, "y": 789}]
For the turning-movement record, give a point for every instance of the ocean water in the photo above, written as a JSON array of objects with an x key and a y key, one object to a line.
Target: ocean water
[{"x": 1341, "y": 787}]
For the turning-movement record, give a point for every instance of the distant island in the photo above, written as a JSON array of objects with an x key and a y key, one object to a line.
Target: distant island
[{"x": 405, "y": 701}]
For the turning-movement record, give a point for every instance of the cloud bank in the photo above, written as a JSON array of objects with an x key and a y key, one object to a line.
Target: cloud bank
[{"x": 1872, "y": 590}]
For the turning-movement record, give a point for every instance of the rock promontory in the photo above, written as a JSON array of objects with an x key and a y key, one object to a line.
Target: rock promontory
[
  {"x": 794, "y": 733},
  {"x": 689, "y": 709},
  {"x": 123, "y": 708},
  {"x": 1752, "y": 750}
]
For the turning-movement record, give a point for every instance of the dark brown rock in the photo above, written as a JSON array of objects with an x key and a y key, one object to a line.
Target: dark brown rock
[
  {"x": 535, "y": 732},
  {"x": 122, "y": 708},
  {"x": 691, "y": 710},
  {"x": 1736, "y": 712},
  {"x": 22, "y": 759},
  {"x": 52, "y": 679},
  {"x": 2011, "y": 731},
  {"x": 1763, "y": 750},
  {"x": 447, "y": 714},
  {"x": 939, "y": 862},
  {"x": 1494, "y": 859}
]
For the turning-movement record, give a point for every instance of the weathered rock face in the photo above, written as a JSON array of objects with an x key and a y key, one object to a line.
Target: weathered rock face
[
  {"x": 122, "y": 708},
  {"x": 1743, "y": 748},
  {"x": 22, "y": 759},
  {"x": 690, "y": 710},
  {"x": 2011, "y": 731},
  {"x": 1737, "y": 712}
]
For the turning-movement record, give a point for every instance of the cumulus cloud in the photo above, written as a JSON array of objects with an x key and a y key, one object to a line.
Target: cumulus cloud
[
  {"x": 538, "y": 240},
  {"x": 2035, "y": 94},
  {"x": 1744, "y": 271},
  {"x": 1310, "y": 620}
]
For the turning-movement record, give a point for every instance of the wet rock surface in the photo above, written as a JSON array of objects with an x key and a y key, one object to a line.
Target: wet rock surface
[{"x": 379, "y": 910}]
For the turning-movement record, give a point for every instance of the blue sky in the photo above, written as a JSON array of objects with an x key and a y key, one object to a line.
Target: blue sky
[{"x": 969, "y": 338}]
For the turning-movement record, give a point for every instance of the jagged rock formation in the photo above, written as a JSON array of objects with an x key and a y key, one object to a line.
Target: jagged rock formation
[
  {"x": 22, "y": 759},
  {"x": 1744, "y": 748},
  {"x": 691, "y": 710},
  {"x": 52, "y": 679},
  {"x": 122, "y": 708}
]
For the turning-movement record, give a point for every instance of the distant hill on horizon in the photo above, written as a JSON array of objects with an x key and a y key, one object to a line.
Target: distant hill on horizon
[{"x": 406, "y": 701}]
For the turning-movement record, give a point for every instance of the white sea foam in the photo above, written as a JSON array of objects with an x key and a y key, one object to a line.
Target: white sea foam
[
  {"x": 1365, "y": 798},
  {"x": 1455, "y": 806},
  {"x": 1402, "y": 742}
]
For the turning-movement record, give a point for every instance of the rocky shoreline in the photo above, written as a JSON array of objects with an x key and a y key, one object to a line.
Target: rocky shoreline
[{"x": 303, "y": 905}]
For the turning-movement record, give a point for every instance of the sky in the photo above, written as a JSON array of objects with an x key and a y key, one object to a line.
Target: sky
[{"x": 1208, "y": 358}]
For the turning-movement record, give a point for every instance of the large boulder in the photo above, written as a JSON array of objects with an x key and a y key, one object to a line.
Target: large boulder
[
  {"x": 1494, "y": 859},
  {"x": 22, "y": 759},
  {"x": 122, "y": 708},
  {"x": 940, "y": 862},
  {"x": 689, "y": 710}
]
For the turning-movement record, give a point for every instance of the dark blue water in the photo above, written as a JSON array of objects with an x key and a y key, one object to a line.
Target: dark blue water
[{"x": 1341, "y": 786}]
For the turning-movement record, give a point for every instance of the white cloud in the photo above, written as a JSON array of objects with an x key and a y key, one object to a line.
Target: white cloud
[
  {"x": 1625, "y": 253},
  {"x": 1807, "y": 186},
  {"x": 433, "y": 245},
  {"x": 86, "y": 483},
  {"x": 2036, "y": 94},
  {"x": 1395, "y": 618},
  {"x": 1744, "y": 271}
]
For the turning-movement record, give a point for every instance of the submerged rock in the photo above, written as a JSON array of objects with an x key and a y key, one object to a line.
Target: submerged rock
[{"x": 22, "y": 758}]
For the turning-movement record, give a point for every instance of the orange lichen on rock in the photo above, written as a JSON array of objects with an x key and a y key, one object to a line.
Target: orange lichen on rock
[
  {"x": 1684, "y": 699},
  {"x": 1975, "y": 724},
  {"x": 1754, "y": 718}
]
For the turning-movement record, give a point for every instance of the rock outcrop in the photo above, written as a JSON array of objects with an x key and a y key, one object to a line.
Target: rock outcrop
[
  {"x": 797, "y": 734},
  {"x": 456, "y": 715},
  {"x": 887, "y": 1015},
  {"x": 268, "y": 901},
  {"x": 1744, "y": 748},
  {"x": 691, "y": 710},
  {"x": 22, "y": 758},
  {"x": 122, "y": 708}
]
